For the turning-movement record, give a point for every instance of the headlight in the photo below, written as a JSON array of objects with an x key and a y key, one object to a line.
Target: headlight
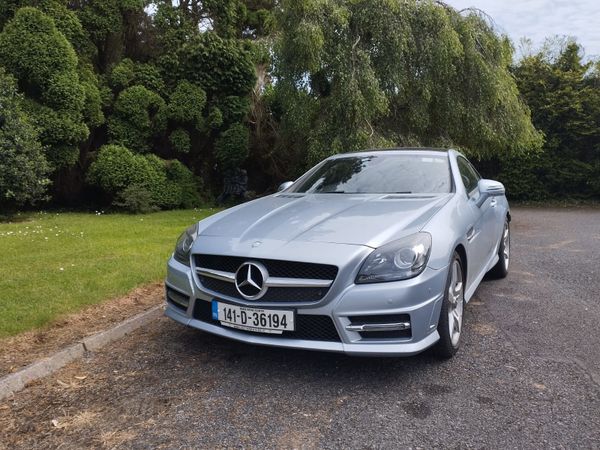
[
  {"x": 184, "y": 245},
  {"x": 398, "y": 260}
]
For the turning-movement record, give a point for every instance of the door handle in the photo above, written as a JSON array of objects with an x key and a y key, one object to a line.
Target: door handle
[{"x": 470, "y": 234}]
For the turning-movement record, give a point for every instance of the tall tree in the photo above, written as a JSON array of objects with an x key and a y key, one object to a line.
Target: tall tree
[{"x": 388, "y": 72}]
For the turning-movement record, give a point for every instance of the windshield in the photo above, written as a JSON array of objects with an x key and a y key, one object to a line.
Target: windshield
[{"x": 379, "y": 174}]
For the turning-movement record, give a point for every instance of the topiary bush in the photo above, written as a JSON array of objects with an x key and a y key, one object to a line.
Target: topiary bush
[
  {"x": 46, "y": 67},
  {"x": 231, "y": 148},
  {"x": 149, "y": 76},
  {"x": 135, "y": 199},
  {"x": 23, "y": 168},
  {"x": 234, "y": 109},
  {"x": 180, "y": 140},
  {"x": 122, "y": 74},
  {"x": 117, "y": 168},
  {"x": 186, "y": 104},
  {"x": 33, "y": 50},
  {"x": 220, "y": 66},
  {"x": 124, "y": 175},
  {"x": 165, "y": 194},
  {"x": 139, "y": 115},
  {"x": 186, "y": 182}
]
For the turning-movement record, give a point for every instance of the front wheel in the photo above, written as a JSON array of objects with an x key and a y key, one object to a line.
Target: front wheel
[
  {"x": 500, "y": 270},
  {"x": 450, "y": 324}
]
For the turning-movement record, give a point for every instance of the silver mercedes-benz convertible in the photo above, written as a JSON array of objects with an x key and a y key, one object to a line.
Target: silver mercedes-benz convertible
[{"x": 372, "y": 253}]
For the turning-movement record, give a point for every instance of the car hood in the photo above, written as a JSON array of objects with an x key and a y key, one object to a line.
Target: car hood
[{"x": 362, "y": 219}]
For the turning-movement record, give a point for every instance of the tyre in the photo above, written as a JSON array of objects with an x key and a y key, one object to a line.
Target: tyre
[
  {"x": 450, "y": 325},
  {"x": 500, "y": 270}
]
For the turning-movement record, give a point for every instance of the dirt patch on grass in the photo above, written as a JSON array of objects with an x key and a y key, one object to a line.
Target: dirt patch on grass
[{"x": 25, "y": 348}]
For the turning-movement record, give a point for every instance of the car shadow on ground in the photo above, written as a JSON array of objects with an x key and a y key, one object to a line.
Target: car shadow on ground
[{"x": 264, "y": 362}]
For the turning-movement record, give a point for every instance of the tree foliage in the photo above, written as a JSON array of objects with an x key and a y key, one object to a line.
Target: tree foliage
[
  {"x": 381, "y": 73},
  {"x": 129, "y": 179},
  {"x": 46, "y": 66},
  {"x": 23, "y": 168},
  {"x": 563, "y": 93},
  {"x": 139, "y": 114},
  {"x": 231, "y": 148},
  {"x": 143, "y": 99}
]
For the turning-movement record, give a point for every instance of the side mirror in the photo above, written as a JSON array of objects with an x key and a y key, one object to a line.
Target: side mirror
[
  {"x": 489, "y": 188},
  {"x": 283, "y": 186}
]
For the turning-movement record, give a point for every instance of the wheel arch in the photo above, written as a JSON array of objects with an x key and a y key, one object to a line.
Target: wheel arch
[{"x": 462, "y": 253}]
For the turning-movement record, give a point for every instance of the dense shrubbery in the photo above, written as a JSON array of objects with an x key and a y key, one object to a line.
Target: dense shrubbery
[
  {"x": 23, "y": 169},
  {"x": 142, "y": 103},
  {"x": 139, "y": 115},
  {"x": 231, "y": 149},
  {"x": 563, "y": 93},
  {"x": 45, "y": 65},
  {"x": 143, "y": 180}
]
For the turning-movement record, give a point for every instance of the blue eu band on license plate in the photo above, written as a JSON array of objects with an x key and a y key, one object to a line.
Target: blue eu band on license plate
[{"x": 270, "y": 321}]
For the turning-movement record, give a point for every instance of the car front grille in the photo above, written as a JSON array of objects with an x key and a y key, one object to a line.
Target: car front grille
[
  {"x": 273, "y": 295},
  {"x": 276, "y": 268},
  {"x": 308, "y": 327}
]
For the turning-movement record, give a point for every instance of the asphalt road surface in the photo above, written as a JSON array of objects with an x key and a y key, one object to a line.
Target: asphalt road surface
[{"x": 527, "y": 375}]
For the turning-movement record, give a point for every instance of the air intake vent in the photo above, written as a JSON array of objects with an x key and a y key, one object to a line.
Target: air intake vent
[
  {"x": 177, "y": 299},
  {"x": 383, "y": 326}
]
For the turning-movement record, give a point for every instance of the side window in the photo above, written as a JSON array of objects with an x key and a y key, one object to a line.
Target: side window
[{"x": 469, "y": 175}]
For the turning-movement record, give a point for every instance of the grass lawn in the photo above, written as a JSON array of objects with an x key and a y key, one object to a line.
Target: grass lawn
[{"x": 52, "y": 264}]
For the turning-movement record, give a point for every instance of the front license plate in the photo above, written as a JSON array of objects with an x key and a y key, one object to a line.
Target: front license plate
[{"x": 273, "y": 321}]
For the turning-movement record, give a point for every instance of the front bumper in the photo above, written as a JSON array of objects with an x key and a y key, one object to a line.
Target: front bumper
[{"x": 420, "y": 298}]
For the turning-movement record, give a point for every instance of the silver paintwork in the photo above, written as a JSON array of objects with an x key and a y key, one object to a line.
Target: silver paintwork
[{"x": 343, "y": 229}]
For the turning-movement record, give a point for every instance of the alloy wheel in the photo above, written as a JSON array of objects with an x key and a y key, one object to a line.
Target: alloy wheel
[{"x": 456, "y": 303}]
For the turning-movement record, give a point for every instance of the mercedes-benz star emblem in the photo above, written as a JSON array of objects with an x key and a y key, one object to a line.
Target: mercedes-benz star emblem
[{"x": 250, "y": 280}]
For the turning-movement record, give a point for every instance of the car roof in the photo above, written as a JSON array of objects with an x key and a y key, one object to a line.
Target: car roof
[{"x": 396, "y": 151}]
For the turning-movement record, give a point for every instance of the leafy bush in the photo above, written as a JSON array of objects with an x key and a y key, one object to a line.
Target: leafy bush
[
  {"x": 234, "y": 109},
  {"x": 23, "y": 168},
  {"x": 122, "y": 74},
  {"x": 187, "y": 183},
  {"x": 231, "y": 148},
  {"x": 135, "y": 199},
  {"x": 187, "y": 103},
  {"x": 220, "y": 66},
  {"x": 139, "y": 114},
  {"x": 215, "y": 118},
  {"x": 45, "y": 64},
  {"x": 64, "y": 92},
  {"x": 523, "y": 177},
  {"x": 116, "y": 168},
  {"x": 180, "y": 140},
  {"x": 149, "y": 76},
  {"x": 33, "y": 50},
  {"x": 67, "y": 23},
  {"x": 124, "y": 175},
  {"x": 127, "y": 73}
]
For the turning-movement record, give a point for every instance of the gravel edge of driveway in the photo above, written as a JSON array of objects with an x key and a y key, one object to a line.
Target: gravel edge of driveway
[{"x": 17, "y": 381}]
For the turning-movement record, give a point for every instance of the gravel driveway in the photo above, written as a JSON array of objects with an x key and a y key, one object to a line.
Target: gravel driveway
[{"x": 528, "y": 375}]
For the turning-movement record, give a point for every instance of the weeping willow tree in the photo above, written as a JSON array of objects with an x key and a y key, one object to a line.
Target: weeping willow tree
[{"x": 381, "y": 73}]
